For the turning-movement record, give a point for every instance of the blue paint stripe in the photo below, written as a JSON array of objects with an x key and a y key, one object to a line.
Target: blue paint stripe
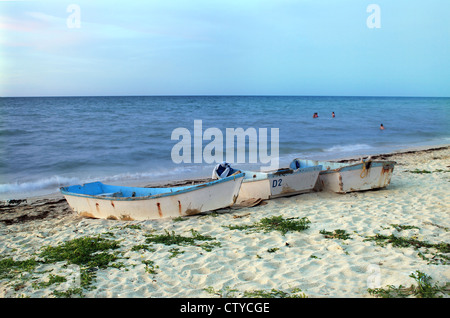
[{"x": 180, "y": 190}]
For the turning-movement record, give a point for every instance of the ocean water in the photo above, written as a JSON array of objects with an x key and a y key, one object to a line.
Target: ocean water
[{"x": 49, "y": 142}]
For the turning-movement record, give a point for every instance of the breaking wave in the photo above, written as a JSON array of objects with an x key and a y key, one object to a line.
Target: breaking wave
[{"x": 51, "y": 183}]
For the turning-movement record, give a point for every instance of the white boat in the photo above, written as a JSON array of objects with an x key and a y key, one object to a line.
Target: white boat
[
  {"x": 343, "y": 177},
  {"x": 99, "y": 200},
  {"x": 274, "y": 184}
]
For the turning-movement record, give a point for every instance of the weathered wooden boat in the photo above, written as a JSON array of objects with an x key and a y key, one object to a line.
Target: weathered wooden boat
[
  {"x": 277, "y": 183},
  {"x": 343, "y": 177},
  {"x": 99, "y": 200}
]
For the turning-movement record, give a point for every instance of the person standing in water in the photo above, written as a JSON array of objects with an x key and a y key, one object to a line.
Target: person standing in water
[
  {"x": 381, "y": 127},
  {"x": 332, "y": 114}
]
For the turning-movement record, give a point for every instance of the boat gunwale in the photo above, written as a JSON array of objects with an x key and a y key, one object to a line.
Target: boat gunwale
[
  {"x": 278, "y": 173},
  {"x": 349, "y": 165},
  {"x": 154, "y": 196},
  {"x": 354, "y": 166}
]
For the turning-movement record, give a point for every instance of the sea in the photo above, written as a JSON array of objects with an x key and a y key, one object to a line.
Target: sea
[{"x": 50, "y": 142}]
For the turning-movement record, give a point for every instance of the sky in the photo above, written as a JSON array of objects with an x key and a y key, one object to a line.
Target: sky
[{"x": 225, "y": 47}]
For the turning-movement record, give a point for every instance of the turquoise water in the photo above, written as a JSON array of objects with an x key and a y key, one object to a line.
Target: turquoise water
[{"x": 48, "y": 142}]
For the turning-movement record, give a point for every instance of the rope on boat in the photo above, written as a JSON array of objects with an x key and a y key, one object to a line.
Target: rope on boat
[{"x": 365, "y": 169}]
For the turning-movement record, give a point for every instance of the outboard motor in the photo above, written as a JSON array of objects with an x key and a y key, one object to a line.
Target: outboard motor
[
  {"x": 222, "y": 170},
  {"x": 295, "y": 164}
]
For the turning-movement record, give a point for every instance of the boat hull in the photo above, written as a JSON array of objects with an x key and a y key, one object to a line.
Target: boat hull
[
  {"x": 344, "y": 177},
  {"x": 186, "y": 201},
  {"x": 286, "y": 182}
]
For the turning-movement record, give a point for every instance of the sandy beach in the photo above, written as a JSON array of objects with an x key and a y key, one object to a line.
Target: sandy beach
[{"x": 222, "y": 260}]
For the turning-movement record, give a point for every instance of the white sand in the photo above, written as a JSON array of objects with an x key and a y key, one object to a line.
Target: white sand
[{"x": 338, "y": 268}]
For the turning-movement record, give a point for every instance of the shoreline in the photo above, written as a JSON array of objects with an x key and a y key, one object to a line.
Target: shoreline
[
  {"x": 168, "y": 183},
  {"x": 234, "y": 262},
  {"x": 403, "y": 151}
]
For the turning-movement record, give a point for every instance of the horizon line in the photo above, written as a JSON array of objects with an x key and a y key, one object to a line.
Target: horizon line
[{"x": 223, "y": 95}]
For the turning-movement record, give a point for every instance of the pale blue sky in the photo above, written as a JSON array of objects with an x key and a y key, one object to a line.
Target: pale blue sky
[{"x": 225, "y": 47}]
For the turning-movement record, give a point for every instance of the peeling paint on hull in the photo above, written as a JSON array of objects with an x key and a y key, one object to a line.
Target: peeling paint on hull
[
  {"x": 344, "y": 177},
  {"x": 182, "y": 201}
]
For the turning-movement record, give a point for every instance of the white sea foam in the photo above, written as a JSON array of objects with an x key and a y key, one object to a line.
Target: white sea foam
[
  {"x": 348, "y": 148},
  {"x": 34, "y": 188},
  {"x": 52, "y": 184}
]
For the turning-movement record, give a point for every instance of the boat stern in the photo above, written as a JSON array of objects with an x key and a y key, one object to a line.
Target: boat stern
[{"x": 357, "y": 177}]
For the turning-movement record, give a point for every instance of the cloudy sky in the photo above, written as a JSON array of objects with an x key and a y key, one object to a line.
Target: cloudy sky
[{"x": 225, "y": 47}]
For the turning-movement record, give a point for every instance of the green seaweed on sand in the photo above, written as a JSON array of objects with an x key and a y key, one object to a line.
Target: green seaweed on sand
[
  {"x": 90, "y": 253},
  {"x": 424, "y": 289},
  {"x": 145, "y": 247},
  {"x": 257, "y": 293},
  {"x": 10, "y": 268},
  {"x": 52, "y": 279},
  {"x": 274, "y": 293},
  {"x": 337, "y": 234},
  {"x": 170, "y": 238},
  {"x": 397, "y": 241},
  {"x": 423, "y": 171},
  {"x": 403, "y": 242},
  {"x": 84, "y": 251},
  {"x": 275, "y": 223},
  {"x": 418, "y": 171},
  {"x": 175, "y": 252},
  {"x": 150, "y": 266},
  {"x": 400, "y": 228}
]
